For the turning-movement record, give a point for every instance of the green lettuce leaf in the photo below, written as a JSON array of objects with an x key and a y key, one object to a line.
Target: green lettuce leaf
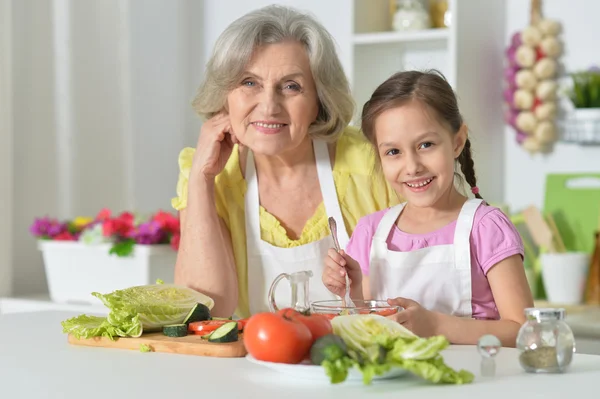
[
  {"x": 136, "y": 310},
  {"x": 337, "y": 370},
  {"x": 376, "y": 344},
  {"x": 419, "y": 349},
  {"x": 84, "y": 326},
  {"x": 435, "y": 370},
  {"x": 145, "y": 348}
]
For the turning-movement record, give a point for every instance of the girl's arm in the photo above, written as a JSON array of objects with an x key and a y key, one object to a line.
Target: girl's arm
[
  {"x": 366, "y": 289},
  {"x": 512, "y": 295},
  {"x": 205, "y": 260}
]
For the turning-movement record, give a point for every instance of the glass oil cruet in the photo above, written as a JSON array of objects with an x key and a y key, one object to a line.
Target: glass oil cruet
[{"x": 299, "y": 283}]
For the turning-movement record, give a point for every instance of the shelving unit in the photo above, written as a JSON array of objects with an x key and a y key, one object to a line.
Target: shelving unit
[
  {"x": 469, "y": 53},
  {"x": 401, "y": 37}
]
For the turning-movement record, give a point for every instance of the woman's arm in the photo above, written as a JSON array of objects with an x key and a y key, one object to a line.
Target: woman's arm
[
  {"x": 205, "y": 260},
  {"x": 512, "y": 295}
]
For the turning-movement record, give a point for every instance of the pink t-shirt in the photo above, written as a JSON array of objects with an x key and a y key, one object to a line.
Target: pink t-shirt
[{"x": 493, "y": 239}]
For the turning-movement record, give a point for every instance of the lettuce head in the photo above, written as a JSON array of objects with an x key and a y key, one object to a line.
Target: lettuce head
[{"x": 136, "y": 310}]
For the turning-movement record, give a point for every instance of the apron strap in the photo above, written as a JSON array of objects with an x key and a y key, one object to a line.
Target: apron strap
[
  {"x": 330, "y": 198},
  {"x": 387, "y": 222},
  {"x": 462, "y": 234},
  {"x": 252, "y": 204},
  {"x": 328, "y": 191}
]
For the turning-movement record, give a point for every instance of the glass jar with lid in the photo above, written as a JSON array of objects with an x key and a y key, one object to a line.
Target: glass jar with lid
[
  {"x": 410, "y": 15},
  {"x": 545, "y": 341}
]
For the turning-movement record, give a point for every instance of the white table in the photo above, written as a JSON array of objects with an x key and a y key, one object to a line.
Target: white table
[{"x": 37, "y": 362}]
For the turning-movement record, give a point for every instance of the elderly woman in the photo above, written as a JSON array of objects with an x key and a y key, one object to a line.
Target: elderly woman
[{"x": 275, "y": 158}]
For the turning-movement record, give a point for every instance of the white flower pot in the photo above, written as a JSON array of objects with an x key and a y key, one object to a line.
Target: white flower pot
[
  {"x": 74, "y": 270},
  {"x": 583, "y": 126}
]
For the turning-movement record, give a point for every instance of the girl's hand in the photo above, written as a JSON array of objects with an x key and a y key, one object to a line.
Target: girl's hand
[
  {"x": 334, "y": 272},
  {"x": 214, "y": 146},
  {"x": 414, "y": 317}
]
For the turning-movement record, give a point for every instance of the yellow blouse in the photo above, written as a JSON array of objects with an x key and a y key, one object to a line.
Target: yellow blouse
[{"x": 360, "y": 187}]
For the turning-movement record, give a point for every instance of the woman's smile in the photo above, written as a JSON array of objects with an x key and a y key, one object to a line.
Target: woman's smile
[{"x": 269, "y": 127}]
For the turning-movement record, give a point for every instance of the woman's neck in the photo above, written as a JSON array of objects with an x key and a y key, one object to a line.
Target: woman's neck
[{"x": 295, "y": 162}]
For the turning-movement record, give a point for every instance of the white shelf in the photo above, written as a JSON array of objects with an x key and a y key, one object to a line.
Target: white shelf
[{"x": 401, "y": 37}]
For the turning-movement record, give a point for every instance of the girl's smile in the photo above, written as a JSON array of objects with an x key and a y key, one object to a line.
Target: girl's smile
[{"x": 419, "y": 185}]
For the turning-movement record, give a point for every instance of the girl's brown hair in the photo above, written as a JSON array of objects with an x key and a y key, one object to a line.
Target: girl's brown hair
[{"x": 432, "y": 89}]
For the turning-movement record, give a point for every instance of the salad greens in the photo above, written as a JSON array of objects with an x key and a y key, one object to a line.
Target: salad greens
[
  {"x": 137, "y": 309},
  {"x": 374, "y": 344}
]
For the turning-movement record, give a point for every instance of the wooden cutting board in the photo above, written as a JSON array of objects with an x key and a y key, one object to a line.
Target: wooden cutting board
[{"x": 188, "y": 345}]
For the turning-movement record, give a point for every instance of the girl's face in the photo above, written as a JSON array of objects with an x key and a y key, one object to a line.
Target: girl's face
[{"x": 418, "y": 153}]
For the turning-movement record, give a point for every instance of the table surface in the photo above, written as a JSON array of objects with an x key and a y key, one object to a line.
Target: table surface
[{"x": 36, "y": 361}]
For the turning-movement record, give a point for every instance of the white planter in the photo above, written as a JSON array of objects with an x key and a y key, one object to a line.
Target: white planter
[
  {"x": 583, "y": 126},
  {"x": 74, "y": 270}
]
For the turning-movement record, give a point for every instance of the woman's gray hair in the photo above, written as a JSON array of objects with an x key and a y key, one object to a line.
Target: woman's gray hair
[{"x": 275, "y": 24}]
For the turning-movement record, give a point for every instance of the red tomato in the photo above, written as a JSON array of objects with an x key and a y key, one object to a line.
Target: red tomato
[
  {"x": 318, "y": 324},
  {"x": 273, "y": 338},
  {"x": 242, "y": 323},
  {"x": 209, "y": 325},
  {"x": 386, "y": 312}
]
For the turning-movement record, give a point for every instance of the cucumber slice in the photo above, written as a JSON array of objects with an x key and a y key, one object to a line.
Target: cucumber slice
[
  {"x": 175, "y": 330},
  {"x": 200, "y": 312},
  {"x": 228, "y": 332}
]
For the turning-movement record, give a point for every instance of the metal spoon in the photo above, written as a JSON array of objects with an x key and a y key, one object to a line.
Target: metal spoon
[{"x": 346, "y": 300}]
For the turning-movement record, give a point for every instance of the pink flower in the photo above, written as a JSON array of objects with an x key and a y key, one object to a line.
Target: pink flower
[
  {"x": 167, "y": 221},
  {"x": 104, "y": 214}
]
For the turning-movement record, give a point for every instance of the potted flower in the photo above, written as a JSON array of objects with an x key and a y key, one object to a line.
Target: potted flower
[
  {"x": 584, "y": 95},
  {"x": 106, "y": 253}
]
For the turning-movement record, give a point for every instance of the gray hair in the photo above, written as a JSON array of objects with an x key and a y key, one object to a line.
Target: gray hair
[{"x": 269, "y": 25}]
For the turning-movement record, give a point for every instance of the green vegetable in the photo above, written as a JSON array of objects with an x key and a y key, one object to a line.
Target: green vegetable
[
  {"x": 328, "y": 347},
  {"x": 175, "y": 330},
  {"x": 200, "y": 312},
  {"x": 137, "y": 309},
  {"x": 145, "y": 348},
  {"x": 585, "y": 92},
  {"x": 375, "y": 344},
  {"x": 228, "y": 332},
  {"x": 330, "y": 351}
]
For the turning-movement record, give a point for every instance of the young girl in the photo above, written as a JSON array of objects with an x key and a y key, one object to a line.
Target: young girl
[{"x": 455, "y": 265}]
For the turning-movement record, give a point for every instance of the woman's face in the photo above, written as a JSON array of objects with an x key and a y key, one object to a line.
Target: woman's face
[{"x": 276, "y": 100}]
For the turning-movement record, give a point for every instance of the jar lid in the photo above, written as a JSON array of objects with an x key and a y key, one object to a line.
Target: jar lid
[{"x": 541, "y": 314}]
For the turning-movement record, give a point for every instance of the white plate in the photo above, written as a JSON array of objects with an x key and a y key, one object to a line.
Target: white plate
[{"x": 314, "y": 372}]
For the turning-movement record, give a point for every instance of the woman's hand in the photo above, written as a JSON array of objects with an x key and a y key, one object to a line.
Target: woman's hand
[
  {"x": 414, "y": 317},
  {"x": 334, "y": 273},
  {"x": 214, "y": 146}
]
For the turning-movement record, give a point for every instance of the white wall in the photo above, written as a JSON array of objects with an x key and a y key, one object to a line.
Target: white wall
[
  {"x": 524, "y": 174},
  {"x": 101, "y": 98},
  {"x": 5, "y": 148},
  {"x": 101, "y": 95},
  {"x": 34, "y": 150}
]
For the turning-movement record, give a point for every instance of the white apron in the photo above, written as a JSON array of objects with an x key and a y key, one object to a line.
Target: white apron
[
  {"x": 437, "y": 277},
  {"x": 266, "y": 261}
]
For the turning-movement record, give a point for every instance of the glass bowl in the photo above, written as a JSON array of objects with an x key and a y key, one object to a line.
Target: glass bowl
[{"x": 334, "y": 308}]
